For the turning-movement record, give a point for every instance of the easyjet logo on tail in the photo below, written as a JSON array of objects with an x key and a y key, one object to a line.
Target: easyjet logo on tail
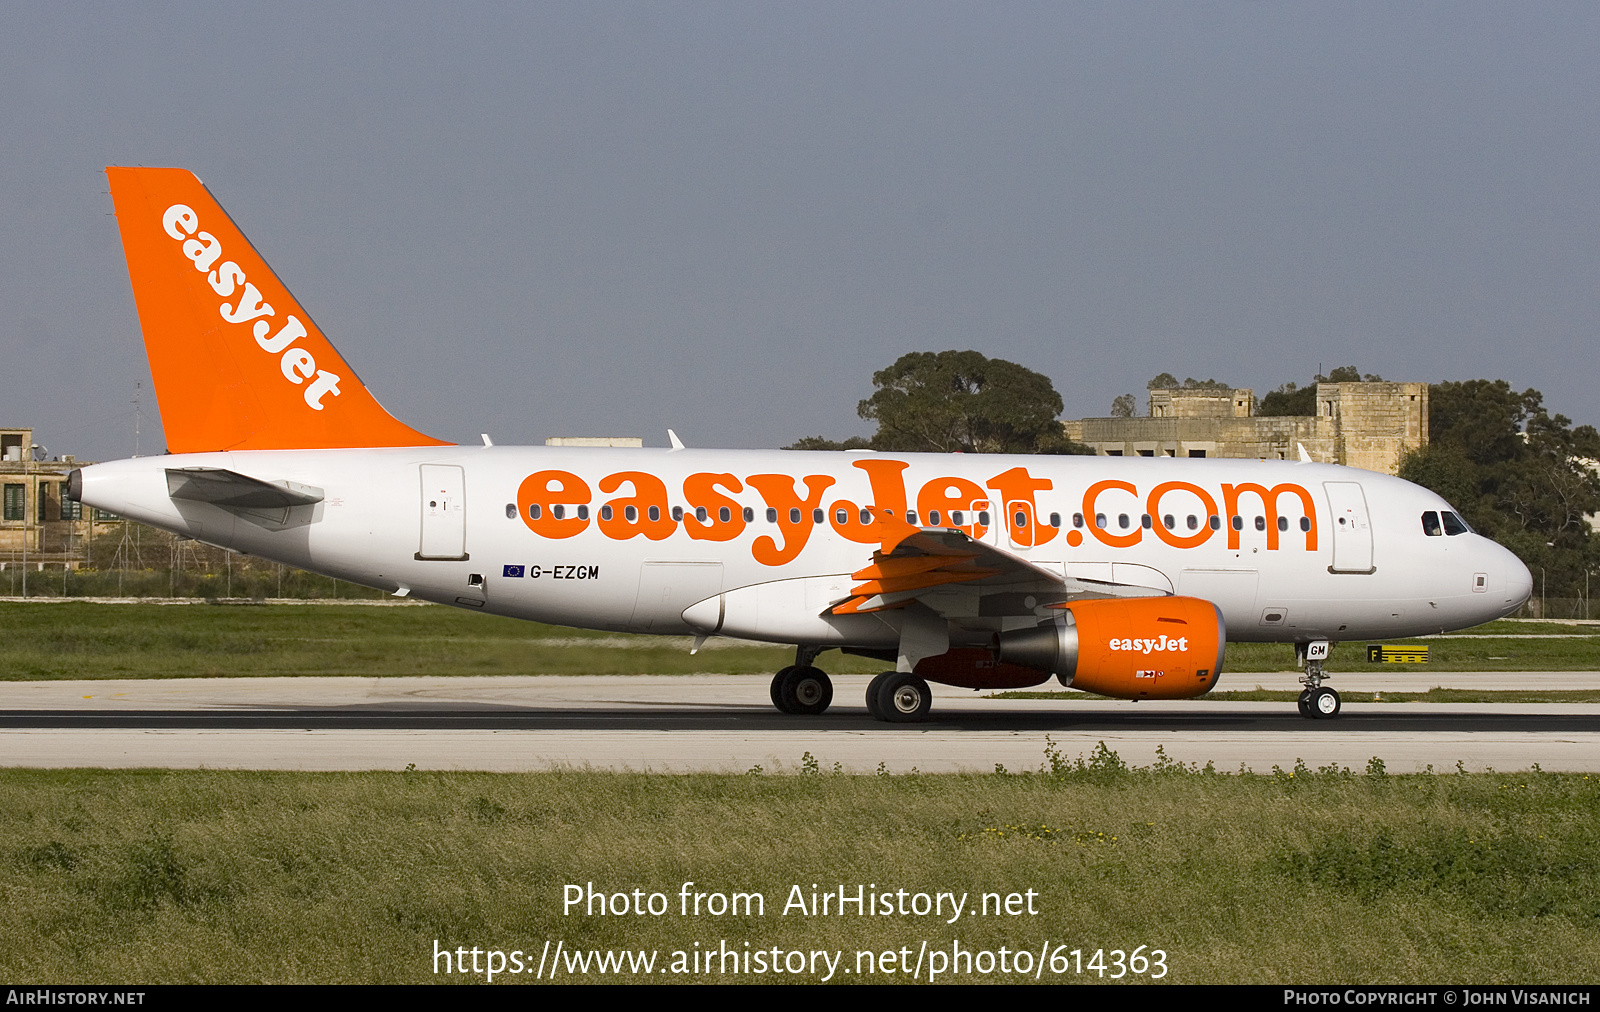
[{"x": 228, "y": 280}]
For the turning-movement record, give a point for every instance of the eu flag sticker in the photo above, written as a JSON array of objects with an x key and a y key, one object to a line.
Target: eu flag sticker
[{"x": 513, "y": 571}]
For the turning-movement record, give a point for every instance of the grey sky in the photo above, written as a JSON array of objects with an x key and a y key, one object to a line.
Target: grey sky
[{"x": 612, "y": 218}]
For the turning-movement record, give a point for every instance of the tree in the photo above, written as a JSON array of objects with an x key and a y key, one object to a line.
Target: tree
[
  {"x": 1167, "y": 381},
  {"x": 1292, "y": 399},
  {"x": 1289, "y": 399},
  {"x": 1516, "y": 473},
  {"x": 1124, "y": 406},
  {"x": 951, "y": 401},
  {"x": 824, "y": 443}
]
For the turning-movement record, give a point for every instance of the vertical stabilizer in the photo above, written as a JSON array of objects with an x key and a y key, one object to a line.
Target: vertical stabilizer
[{"x": 237, "y": 363}]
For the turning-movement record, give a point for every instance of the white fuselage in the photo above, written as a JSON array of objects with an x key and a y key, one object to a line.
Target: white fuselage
[{"x": 451, "y": 524}]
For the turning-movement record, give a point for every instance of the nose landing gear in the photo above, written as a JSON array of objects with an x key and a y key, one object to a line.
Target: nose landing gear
[{"x": 1317, "y": 701}]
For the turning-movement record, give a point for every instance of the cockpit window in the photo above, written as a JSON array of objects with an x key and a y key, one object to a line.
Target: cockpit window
[
  {"x": 1430, "y": 524},
  {"x": 1454, "y": 525}
]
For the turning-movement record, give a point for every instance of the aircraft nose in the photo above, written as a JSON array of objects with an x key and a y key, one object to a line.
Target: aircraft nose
[{"x": 1515, "y": 585}]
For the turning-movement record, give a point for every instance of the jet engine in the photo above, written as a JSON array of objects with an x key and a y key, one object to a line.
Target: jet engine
[{"x": 1130, "y": 648}]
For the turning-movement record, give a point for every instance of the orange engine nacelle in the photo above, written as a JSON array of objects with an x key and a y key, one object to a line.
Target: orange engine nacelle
[{"x": 1130, "y": 648}]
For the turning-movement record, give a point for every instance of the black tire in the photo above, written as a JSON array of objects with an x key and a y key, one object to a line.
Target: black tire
[
  {"x": 1325, "y": 703},
  {"x": 805, "y": 690},
  {"x": 1305, "y": 704},
  {"x": 777, "y": 688},
  {"x": 872, "y": 694},
  {"x": 903, "y": 698}
]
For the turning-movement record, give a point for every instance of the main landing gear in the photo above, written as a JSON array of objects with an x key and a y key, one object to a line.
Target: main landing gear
[
  {"x": 899, "y": 697},
  {"x": 801, "y": 688},
  {"x": 1317, "y": 701}
]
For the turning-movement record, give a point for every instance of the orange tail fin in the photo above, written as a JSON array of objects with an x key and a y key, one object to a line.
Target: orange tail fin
[{"x": 237, "y": 363}]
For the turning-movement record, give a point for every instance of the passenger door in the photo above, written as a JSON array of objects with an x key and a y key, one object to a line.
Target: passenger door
[
  {"x": 1352, "y": 530},
  {"x": 444, "y": 512}
]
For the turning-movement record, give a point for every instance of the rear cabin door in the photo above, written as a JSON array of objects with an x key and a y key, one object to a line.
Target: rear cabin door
[{"x": 444, "y": 512}]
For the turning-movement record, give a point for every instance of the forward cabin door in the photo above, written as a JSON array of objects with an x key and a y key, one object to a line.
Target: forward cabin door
[
  {"x": 444, "y": 512},
  {"x": 1352, "y": 529}
]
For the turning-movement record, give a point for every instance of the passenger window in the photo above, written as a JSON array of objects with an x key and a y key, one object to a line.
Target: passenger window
[
  {"x": 841, "y": 516},
  {"x": 1238, "y": 523},
  {"x": 933, "y": 518},
  {"x": 749, "y": 514},
  {"x": 511, "y": 511},
  {"x": 911, "y": 517},
  {"x": 724, "y": 514},
  {"x": 1454, "y": 525},
  {"x": 677, "y": 514},
  {"x": 1144, "y": 521},
  {"x": 583, "y": 512},
  {"x": 794, "y": 514},
  {"x": 1100, "y": 520},
  {"x": 700, "y": 513},
  {"x": 1283, "y": 523},
  {"x": 1077, "y": 519},
  {"x": 1122, "y": 520},
  {"x": 983, "y": 517},
  {"x": 533, "y": 511},
  {"x": 1430, "y": 525},
  {"x": 1216, "y": 522},
  {"x": 655, "y": 513},
  {"x": 957, "y": 518},
  {"x": 1193, "y": 522},
  {"x": 866, "y": 517},
  {"x": 817, "y": 516},
  {"x": 1261, "y": 523},
  {"x": 772, "y": 515},
  {"x": 1169, "y": 521},
  {"x": 1019, "y": 520},
  {"x": 1305, "y": 523},
  {"x": 1055, "y": 520},
  {"x": 605, "y": 513},
  {"x": 559, "y": 512},
  {"x": 630, "y": 514}
]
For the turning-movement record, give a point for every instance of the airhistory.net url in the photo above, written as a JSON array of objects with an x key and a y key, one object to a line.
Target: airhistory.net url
[{"x": 742, "y": 960}]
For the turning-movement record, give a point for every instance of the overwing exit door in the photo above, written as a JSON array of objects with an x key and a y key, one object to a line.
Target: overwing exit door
[{"x": 444, "y": 512}]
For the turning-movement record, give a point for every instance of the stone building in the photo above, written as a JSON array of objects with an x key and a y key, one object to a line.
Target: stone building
[
  {"x": 1366, "y": 425},
  {"x": 39, "y": 526}
]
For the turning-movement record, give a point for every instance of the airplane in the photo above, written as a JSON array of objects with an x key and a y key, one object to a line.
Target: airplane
[{"x": 1121, "y": 576}]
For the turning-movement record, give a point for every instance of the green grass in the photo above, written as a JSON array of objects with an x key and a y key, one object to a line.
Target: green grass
[
  {"x": 80, "y": 639},
  {"x": 1297, "y": 875},
  {"x": 85, "y": 640}
]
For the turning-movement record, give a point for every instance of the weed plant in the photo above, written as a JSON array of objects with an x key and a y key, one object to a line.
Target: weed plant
[{"x": 1296, "y": 875}]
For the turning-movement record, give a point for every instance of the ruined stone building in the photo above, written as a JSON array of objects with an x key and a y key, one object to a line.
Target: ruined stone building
[{"x": 1366, "y": 425}]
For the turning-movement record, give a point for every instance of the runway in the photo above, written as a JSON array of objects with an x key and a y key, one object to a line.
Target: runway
[{"x": 726, "y": 723}]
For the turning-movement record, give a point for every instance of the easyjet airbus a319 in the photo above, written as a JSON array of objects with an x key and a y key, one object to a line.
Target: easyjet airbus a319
[{"x": 1124, "y": 577}]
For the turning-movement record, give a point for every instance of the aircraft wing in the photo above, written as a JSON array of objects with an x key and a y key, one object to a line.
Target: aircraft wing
[{"x": 924, "y": 563}]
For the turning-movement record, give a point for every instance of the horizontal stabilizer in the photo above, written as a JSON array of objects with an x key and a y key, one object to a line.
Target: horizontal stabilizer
[{"x": 230, "y": 489}]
